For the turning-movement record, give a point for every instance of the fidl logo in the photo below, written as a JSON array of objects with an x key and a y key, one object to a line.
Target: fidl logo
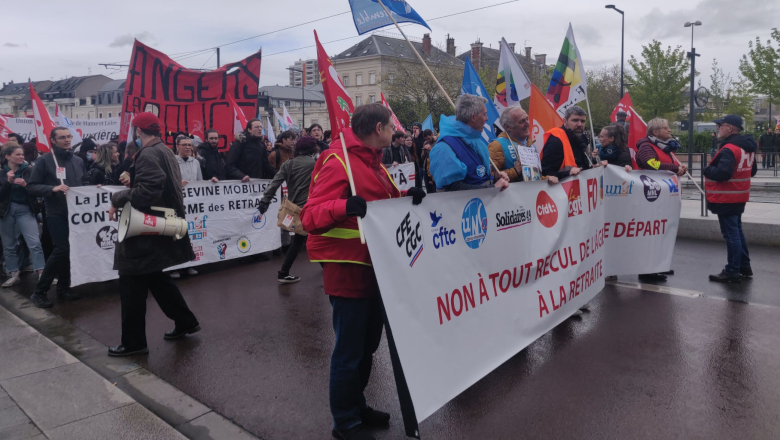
[
  {"x": 673, "y": 184},
  {"x": 410, "y": 237},
  {"x": 197, "y": 228},
  {"x": 621, "y": 189},
  {"x": 474, "y": 223}
]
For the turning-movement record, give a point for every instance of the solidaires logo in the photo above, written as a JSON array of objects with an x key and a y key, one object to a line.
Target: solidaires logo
[{"x": 474, "y": 223}]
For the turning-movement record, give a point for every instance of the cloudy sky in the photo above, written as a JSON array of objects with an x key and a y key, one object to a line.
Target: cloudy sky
[{"x": 49, "y": 41}]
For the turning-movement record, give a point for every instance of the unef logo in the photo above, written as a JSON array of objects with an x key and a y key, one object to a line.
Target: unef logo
[
  {"x": 441, "y": 236},
  {"x": 652, "y": 188},
  {"x": 593, "y": 194},
  {"x": 258, "y": 220},
  {"x": 621, "y": 189},
  {"x": 410, "y": 237},
  {"x": 546, "y": 210},
  {"x": 674, "y": 185},
  {"x": 197, "y": 228},
  {"x": 474, "y": 223},
  {"x": 572, "y": 190}
]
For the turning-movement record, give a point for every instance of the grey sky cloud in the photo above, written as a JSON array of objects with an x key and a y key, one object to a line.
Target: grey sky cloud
[
  {"x": 13, "y": 45},
  {"x": 128, "y": 39}
]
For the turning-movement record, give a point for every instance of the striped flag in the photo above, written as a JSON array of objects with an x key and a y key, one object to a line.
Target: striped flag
[
  {"x": 512, "y": 83},
  {"x": 568, "y": 85}
]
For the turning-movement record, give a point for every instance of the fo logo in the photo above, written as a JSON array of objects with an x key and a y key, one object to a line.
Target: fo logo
[
  {"x": 243, "y": 244},
  {"x": 652, "y": 188},
  {"x": 107, "y": 237},
  {"x": 408, "y": 237},
  {"x": 546, "y": 210},
  {"x": 474, "y": 223},
  {"x": 258, "y": 220}
]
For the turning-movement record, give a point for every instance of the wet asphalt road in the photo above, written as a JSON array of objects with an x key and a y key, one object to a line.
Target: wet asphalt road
[{"x": 639, "y": 365}]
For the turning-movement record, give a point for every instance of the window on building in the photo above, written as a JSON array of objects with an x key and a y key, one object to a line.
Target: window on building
[
  {"x": 100, "y": 115},
  {"x": 358, "y": 100},
  {"x": 345, "y": 80},
  {"x": 359, "y": 79},
  {"x": 315, "y": 121},
  {"x": 372, "y": 98},
  {"x": 109, "y": 99},
  {"x": 300, "y": 123},
  {"x": 391, "y": 78},
  {"x": 371, "y": 78},
  {"x": 287, "y": 103},
  {"x": 118, "y": 98},
  {"x": 109, "y": 114},
  {"x": 100, "y": 99}
]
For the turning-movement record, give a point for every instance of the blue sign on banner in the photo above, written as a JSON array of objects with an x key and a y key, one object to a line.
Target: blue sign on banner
[
  {"x": 369, "y": 14},
  {"x": 473, "y": 86}
]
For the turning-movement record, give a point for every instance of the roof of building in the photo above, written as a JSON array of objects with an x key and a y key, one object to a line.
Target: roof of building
[
  {"x": 69, "y": 84},
  {"x": 491, "y": 56},
  {"x": 394, "y": 47},
  {"x": 22, "y": 88},
  {"x": 115, "y": 85},
  {"x": 291, "y": 93}
]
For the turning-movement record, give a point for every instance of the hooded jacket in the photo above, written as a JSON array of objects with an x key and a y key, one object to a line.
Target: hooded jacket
[
  {"x": 189, "y": 168},
  {"x": 722, "y": 169},
  {"x": 10, "y": 192},
  {"x": 213, "y": 163},
  {"x": 447, "y": 170},
  {"x": 248, "y": 156},
  {"x": 44, "y": 179}
]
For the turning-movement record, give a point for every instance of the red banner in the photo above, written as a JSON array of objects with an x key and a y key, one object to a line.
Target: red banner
[
  {"x": 43, "y": 122},
  {"x": 397, "y": 123},
  {"x": 340, "y": 107},
  {"x": 189, "y": 100}
]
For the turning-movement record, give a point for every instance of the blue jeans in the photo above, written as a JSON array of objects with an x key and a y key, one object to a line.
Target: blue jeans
[
  {"x": 58, "y": 264},
  {"x": 20, "y": 221},
  {"x": 358, "y": 326},
  {"x": 736, "y": 246}
]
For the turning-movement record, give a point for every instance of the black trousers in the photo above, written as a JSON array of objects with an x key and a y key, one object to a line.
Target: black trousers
[
  {"x": 58, "y": 263},
  {"x": 297, "y": 242},
  {"x": 133, "y": 291}
]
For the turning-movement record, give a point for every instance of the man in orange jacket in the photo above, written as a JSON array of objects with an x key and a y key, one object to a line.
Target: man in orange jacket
[{"x": 329, "y": 217}]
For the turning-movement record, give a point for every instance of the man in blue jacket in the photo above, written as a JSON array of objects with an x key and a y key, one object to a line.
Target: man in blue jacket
[{"x": 460, "y": 159}]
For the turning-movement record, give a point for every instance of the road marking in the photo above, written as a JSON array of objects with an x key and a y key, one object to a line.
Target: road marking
[{"x": 659, "y": 289}]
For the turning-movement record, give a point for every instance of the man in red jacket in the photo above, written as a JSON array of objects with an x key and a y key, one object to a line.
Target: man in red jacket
[{"x": 329, "y": 217}]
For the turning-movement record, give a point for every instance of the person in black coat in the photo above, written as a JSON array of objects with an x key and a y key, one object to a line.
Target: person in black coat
[
  {"x": 614, "y": 149},
  {"x": 248, "y": 156},
  {"x": 104, "y": 168},
  {"x": 213, "y": 164},
  {"x": 552, "y": 152},
  {"x": 155, "y": 181}
]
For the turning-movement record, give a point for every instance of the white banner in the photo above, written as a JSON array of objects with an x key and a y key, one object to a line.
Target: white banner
[
  {"x": 101, "y": 130},
  {"x": 223, "y": 220},
  {"x": 403, "y": 175},
  {"x": 470, "y": 278}
]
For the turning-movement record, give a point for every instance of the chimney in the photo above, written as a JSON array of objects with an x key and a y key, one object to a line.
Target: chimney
[
  {"x": 476, "y": 54},
  {"x": 427, "y": 44},
  {"x": 541, "y": 58},
  {"x": 528, "y": 52},
  {"x": 450, "y": 45},
  {"x": 512, "y": 47}
]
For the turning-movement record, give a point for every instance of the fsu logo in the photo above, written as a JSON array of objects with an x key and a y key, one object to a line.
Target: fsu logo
[{"x": 546, "y": 210}]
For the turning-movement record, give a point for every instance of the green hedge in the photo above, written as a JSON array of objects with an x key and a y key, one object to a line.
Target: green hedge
[{"x": 702, "y": 142}]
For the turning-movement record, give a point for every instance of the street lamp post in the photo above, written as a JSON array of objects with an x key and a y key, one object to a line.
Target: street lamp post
[
  {"x": 303, "y": 96},
  {"x": 622, "y": 43},
  {"x": 692, "y": 55}
]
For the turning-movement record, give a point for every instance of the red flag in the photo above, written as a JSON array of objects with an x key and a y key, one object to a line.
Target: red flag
[
  {"x": 340, "y": 107},
  {"x": 4, "y": 131},
  {"x": 637, "y": 129},
  {"x": 239, "y": 118},
  {"x": 625, "y": 105},
  {"x": 397, "y": 123},
  {"x": 43, "y": 122},
  {"x": 543, "y": 117}
]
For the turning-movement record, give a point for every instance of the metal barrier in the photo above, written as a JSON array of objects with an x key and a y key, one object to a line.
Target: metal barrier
[{"x": 700, "y": 160}]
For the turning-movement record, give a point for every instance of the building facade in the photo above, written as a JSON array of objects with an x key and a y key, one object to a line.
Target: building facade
[
  {"x": 277, "y": 98},
  {"x": 15, "y": 97},
  {"x": 109, "y": 99},
  {"x": 304, "y": 72}
]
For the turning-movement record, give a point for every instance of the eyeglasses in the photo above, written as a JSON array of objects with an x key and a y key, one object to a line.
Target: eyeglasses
[{"x": 62, "y": 138}]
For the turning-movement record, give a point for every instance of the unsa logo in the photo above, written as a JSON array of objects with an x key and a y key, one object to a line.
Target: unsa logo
[
  {"x": 107, "y": 237},
  {"x": 258, "y": 220},
  {"x": 546, "y": 210},
  {"x": 474, "y": 223},
  {"x": 652, "y": 188}
]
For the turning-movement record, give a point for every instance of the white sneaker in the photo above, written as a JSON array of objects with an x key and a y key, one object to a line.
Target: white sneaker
[
  {"x": 54, "y": 282},
  {"x": 13, "y": 278},
  {"x": 175, "y": 275},
  {"x": 192, "y": 271}
]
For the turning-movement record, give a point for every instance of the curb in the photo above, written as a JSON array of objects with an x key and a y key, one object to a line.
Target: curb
[{"x": 762, "y": 234}]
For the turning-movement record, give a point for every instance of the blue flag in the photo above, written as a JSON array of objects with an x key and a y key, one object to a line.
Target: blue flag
[
  {"x": 472, "y": 85},
  {"x": 428, "y": 123},
  {"x": 369, "y": 14}
]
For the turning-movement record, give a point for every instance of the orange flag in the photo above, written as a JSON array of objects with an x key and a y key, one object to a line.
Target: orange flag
[
  {"x": 543, "y": 117},
  {"x": 43, "y": 122}
]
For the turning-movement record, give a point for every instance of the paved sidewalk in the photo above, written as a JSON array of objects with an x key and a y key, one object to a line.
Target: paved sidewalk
[
  {"x": 761, "y": 223},
  {"x": 47, "y": 393}
]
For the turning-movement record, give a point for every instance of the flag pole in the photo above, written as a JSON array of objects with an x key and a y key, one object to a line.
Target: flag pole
[
  {"x": 352, "y": 186},
  {"x": 592, "y": 133}
]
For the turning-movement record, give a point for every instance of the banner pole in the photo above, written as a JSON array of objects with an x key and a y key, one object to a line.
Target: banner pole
[
  {"x": 352, "y": 187},
  {"x": 688, "y": 173},
  {"x": 592, "y": 133}
]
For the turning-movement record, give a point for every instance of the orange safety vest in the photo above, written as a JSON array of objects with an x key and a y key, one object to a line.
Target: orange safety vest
[
  {"x": 568, "y": 153},
  {"x": 736, "y": 189}
]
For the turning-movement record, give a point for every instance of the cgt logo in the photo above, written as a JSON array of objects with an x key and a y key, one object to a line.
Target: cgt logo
[
  {"x": 441, "y": 236},
  {"x": 652, "y": 188},
  {"x": 572, "y": 190},
  {"x": 673, "y": 184},
  {"x": 197, "y": 228},
  {"x": 474, "y": 223},
  {"x": 410, "y": 237},
  {"x": 546, "y": 210}
]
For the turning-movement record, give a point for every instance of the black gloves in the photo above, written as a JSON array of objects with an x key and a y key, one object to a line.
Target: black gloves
[
  {"x": 417, "y": 195},
  {"x": 356, "y": 205},
  {"x": 263, "y": 207}
]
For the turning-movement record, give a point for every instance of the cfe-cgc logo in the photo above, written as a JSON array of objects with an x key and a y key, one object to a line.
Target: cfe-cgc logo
[
  {"x": 409, "y": 237},
  {"x": 197, "y": 228},
  {"x": 243, "y": 244},
  {"x": 107, "y": 237},
  {"x": 673, "y": 184},
  {"x": 441, "y": 236},
  {"x": 258, "y": 220},
  {"x": 546, "y": 210},
  {"x": 652, "y": 188},
  {"x": 474, "y": 223},
  {"x": 572, "y": 190},
  {"x": 512, "y": 219}
]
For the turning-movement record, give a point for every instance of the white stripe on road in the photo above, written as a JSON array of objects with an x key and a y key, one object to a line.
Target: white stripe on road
[{"x": 659, "y": 289}]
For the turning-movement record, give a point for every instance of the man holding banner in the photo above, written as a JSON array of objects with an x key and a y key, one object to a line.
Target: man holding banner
[
  {"x": 564, "y": 154},
  {"x": 155, "y": 181},
  {"x": 511, "y": 152},
  {"x": 329, "y": 217}
]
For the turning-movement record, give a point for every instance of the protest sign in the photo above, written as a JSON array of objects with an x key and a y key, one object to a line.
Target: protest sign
[
  {"x": 189, "y": 100},
  {"x": 403, "y": 175},
  {"x": 470, "y": 278},
  {"x": 223, "y": 222}
]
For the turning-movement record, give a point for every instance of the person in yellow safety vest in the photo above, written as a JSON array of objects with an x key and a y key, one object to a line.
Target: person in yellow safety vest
[
  {"x": 728, "y": 189},
  {"x": 564, "y": 153}
]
